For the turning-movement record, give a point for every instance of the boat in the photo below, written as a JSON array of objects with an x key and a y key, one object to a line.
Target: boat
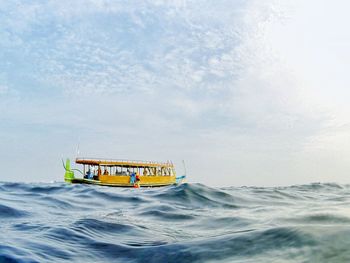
[{"x": 122, "y": 173}]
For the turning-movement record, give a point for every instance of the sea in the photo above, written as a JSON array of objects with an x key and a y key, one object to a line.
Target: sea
[{"x": 58, "y": 222}]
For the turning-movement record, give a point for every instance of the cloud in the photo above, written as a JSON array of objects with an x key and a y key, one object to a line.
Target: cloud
[
  {"x": 220, "y": 83},
  {"x": 3, "y": 90}
]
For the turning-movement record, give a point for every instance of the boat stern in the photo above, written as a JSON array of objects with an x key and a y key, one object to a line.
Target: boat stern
[{"x": 181, "y": 179}]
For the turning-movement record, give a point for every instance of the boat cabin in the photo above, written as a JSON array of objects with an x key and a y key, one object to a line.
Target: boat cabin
[{"x": 94, "y": 168}]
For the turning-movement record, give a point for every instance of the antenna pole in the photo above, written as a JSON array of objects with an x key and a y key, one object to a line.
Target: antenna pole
[{"x": 78, "y": 146}]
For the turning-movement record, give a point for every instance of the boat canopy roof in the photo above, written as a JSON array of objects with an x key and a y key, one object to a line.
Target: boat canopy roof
[{"x": 123, "y": 163}]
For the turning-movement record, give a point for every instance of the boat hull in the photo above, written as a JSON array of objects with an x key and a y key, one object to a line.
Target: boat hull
[{"x": 124, "y": 181}]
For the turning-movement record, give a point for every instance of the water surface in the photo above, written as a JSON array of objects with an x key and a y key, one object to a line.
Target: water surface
[{"x": 189, "y": 223}]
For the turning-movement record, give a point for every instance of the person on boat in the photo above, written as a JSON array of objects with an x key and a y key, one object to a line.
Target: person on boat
[
  {"x": 89, "y": 174},
  {"x": 144, "y": 172},
  {"x": 105, "y": 172},
  {"x": 133, "y": 178},
  {"x": 137, "y": 181}
]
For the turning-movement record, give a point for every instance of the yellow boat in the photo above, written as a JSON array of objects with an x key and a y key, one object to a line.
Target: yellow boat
[{"x": 123, "y": 173}]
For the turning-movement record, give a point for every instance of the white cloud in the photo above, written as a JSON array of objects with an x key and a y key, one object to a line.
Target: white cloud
[
  {"x": 230, "y": 84},
  {"x": 4, "y": 90}
]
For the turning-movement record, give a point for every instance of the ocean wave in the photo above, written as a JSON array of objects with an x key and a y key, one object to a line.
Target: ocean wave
[
  {"x": 7, "y": 212},
  {"x": 186, "y": 223}
]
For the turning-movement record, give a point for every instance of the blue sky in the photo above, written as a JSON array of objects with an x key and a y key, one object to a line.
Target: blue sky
[{"x": 246, "y": 92}]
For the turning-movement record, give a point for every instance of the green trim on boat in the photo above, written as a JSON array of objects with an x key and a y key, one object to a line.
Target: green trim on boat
[{"x": 69, "y": 175}]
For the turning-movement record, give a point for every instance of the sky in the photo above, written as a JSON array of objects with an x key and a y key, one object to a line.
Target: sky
[{"x": 246, "y": 92}]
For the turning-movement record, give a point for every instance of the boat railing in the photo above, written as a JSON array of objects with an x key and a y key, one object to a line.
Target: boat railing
[{"x": 139, "y": 162}]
